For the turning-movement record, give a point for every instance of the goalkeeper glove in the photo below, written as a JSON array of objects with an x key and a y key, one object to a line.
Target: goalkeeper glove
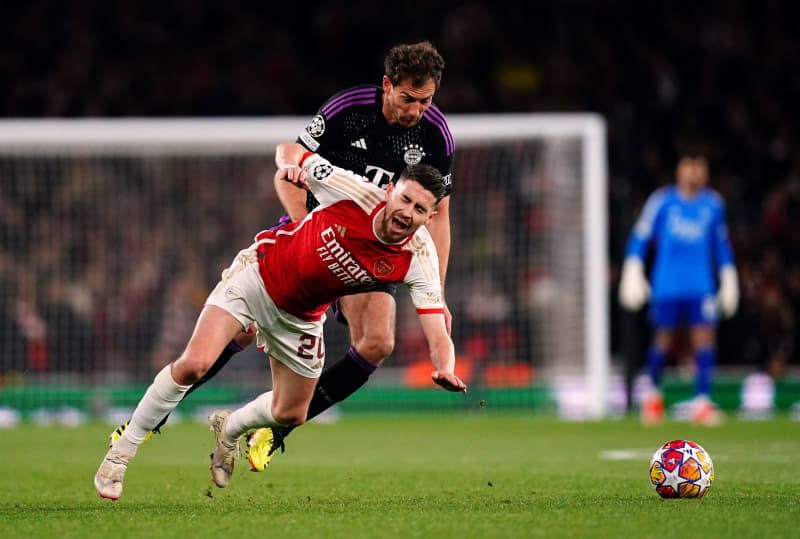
[
  {"x": 633, "y": 286},
  {"x": 728, "y": 293}
]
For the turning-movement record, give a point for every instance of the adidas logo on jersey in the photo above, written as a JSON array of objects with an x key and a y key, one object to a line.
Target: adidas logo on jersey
[{"x": 360, "y": 143}]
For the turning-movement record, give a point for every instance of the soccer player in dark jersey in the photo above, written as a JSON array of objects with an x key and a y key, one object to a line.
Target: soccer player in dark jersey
[{"x": 375, "y": 131}]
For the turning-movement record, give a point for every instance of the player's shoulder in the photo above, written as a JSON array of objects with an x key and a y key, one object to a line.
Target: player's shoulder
[
  {"x": 420, "y": 242},
  {"x": 662, "y": 195},
  {"x": 435, "y": 120},
  {"x": 355, "y": 98},
  {"x": 435, "y": 116},
  {"x": 713, "y": 197}
]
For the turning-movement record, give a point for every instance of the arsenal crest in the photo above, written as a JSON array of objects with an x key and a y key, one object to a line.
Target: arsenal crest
[{"x": 382, "y": 267}]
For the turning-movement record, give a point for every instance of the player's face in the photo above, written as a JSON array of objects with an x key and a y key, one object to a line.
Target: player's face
[
  {"x": 692, "y": 173},
  {"x": 404, "y": 104},
  {"x": 408, "y": 207}
]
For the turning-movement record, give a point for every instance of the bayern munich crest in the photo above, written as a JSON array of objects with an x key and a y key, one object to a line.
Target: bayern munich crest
[
  {"x": 317, "y": 126},
  {"x": 413, "y": 155},
  {"x": 322, "y": 171}
]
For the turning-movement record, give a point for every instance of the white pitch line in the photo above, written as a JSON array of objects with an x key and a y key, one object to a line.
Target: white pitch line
[{"x": 626, "y": 454}]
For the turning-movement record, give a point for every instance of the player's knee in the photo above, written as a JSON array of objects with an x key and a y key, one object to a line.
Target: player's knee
[
  {"x": 376, "y": 348},
  {"x": 187, "y": 369},
  {"x": 289, "y": 416},
  {"x": 704, "y": 339},
  {"x": 662, "y": 339},
  {"x": 703, "y": 343}
]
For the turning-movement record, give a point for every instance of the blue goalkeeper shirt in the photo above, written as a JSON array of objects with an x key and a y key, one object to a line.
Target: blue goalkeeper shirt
[{"x": 690, "y": 239}]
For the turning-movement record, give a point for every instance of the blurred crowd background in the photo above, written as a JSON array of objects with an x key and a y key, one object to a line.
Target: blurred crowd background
[{"x": 724, "y": 73}]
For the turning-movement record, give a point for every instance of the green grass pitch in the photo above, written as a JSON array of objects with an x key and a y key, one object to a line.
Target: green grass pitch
[{"x": 435, "y": 476}]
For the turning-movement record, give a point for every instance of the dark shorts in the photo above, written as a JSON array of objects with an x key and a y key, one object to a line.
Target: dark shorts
[
  {"x": 702, "y": 311},
  {"x": 389, "y": 288},
  {"x": 338, "y": 314}
]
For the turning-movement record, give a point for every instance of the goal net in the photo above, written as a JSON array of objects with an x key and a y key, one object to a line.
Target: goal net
[{"x": 112, "y": 233}]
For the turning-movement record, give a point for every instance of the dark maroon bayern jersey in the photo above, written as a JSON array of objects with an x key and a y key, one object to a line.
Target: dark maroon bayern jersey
[{"x": 351, "y": 132}]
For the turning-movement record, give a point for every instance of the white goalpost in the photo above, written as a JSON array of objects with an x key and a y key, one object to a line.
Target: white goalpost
[
  {"x": 588, "y": 131},
  {"x": 114, "y": 228}
]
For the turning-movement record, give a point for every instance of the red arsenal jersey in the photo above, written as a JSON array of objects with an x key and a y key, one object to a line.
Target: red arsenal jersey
[{"x": 334, "y": 251}]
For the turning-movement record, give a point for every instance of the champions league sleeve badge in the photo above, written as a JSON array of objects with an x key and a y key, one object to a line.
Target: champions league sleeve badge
[
  {"x": 316, "y": 127},
  {"x": 322, "y": 171}
]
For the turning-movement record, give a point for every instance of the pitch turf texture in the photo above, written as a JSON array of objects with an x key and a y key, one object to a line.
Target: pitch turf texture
[{"x": 436, "y": 476}]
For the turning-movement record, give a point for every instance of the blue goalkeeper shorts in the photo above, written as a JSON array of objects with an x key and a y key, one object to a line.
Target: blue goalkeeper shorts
[{"x": 670, "y": 313}]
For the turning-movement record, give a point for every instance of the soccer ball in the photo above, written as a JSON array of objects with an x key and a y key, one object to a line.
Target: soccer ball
[{"x": 681, "y": 469}]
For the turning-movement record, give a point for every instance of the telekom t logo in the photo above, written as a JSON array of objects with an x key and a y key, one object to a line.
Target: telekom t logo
[{"x": 379, "y": 176}]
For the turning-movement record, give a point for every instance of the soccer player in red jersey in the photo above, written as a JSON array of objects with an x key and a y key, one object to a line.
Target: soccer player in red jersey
[
  {"x": 375, "y": 131},
  {"x": 359, "y": 237}
]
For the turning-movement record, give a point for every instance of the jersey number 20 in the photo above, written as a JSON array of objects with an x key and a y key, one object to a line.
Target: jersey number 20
[{"x": 307, "y": 345}]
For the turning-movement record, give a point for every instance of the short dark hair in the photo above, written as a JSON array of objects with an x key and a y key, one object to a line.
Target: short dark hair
[
  {"x": 693, "y": 147},
  {"x": 419, "y": 62},
  {"x": 428, "y": 177}
]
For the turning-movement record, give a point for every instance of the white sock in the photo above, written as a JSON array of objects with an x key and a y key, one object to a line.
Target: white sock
[
  {"x": 256, "y": 413},
  {"x": 161, "y": 398}
]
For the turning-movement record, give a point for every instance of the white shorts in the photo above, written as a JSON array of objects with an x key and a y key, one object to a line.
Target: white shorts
[{"x": 295, "y": 342}]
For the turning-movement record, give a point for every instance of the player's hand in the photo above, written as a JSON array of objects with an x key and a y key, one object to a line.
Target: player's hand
[
  {"x": 449, "y": 381},
  {"x": 293, "y": 174},
  {"x": 728, "y": 294},
  {"x": 634, "y": 289}
]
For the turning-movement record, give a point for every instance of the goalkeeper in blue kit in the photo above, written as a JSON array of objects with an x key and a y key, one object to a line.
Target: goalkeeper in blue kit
[{"x": 693, "y": 280}]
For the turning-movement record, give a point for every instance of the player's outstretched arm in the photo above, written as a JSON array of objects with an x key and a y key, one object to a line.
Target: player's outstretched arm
[
  {"x": 439, "y": 227},
  {"x": 442, "y": 352},
  {"x": 289, "y": 177}
]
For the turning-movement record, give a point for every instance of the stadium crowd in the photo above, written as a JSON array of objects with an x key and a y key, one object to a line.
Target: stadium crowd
[{"x": 660, "y": 72}]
